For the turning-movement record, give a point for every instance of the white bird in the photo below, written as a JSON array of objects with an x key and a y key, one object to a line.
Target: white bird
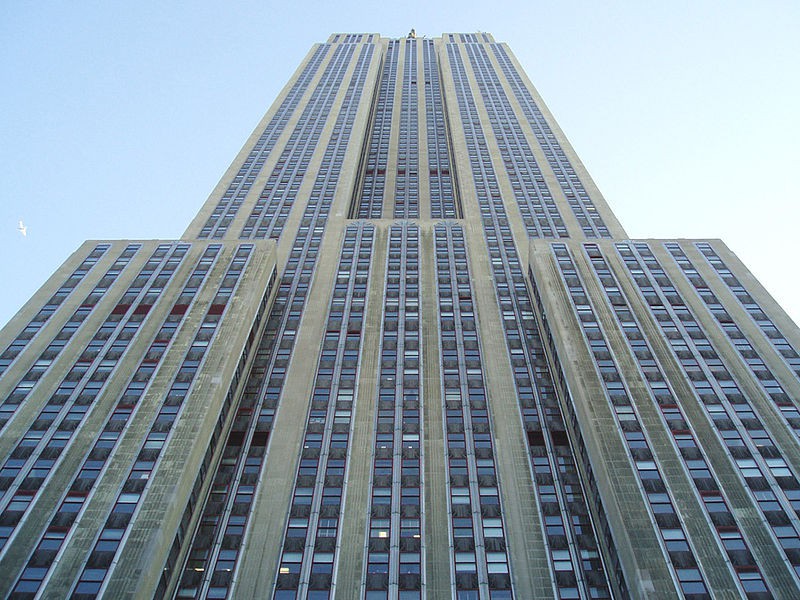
[{"x": 22, "y": 228}]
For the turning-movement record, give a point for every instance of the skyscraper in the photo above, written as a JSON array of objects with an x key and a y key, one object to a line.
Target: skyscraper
[{"x": 404, "y": 350}]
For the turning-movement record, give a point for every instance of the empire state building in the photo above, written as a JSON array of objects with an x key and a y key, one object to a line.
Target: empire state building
[{"x": 405, "y": 350}]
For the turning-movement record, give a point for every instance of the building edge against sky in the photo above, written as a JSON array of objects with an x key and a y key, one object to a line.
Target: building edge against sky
[{"x": 404, "y": 350}]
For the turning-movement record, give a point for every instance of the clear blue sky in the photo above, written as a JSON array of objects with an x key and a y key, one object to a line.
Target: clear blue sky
[{"x": 117, "y": 119}]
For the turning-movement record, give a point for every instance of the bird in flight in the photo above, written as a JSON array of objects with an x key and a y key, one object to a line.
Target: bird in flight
[{"x": 22, "y": 228}]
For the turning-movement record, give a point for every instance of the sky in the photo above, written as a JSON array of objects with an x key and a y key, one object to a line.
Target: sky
[{"x": 117, "y": 119}]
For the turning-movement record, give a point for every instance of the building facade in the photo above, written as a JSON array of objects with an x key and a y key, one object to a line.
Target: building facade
[{"x": 405, "y": 350}]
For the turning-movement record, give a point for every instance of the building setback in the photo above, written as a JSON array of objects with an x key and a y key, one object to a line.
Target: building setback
[{"x": 405, "y": 350}]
